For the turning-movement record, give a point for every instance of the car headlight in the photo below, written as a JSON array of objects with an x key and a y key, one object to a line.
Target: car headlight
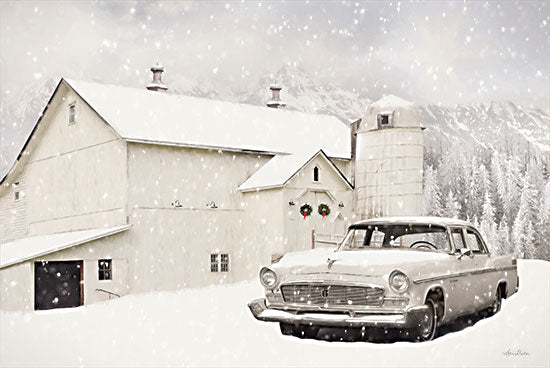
[
  {"x": 399, "y": 282},
  {"x": 268, "y": 278}
]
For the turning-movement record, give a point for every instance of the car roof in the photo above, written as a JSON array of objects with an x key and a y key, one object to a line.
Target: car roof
[{"x": 429, "y": 220}]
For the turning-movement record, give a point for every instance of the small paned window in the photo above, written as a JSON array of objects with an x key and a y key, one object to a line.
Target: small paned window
[
  {"x": 72, "y": 114},
  {"x": 214, "y": 263},
  {"x": 315, "y": 173},
  {"x": 219, "y": 262},
  {"x": 105, "y": 269},
  {"x": 224, "y": 262}
]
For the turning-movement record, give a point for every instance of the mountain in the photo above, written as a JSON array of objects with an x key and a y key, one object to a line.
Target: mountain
[
  {"x": 304, "y": 92},
  {"x": 17, "y": 118},
  {"x": 490, "y": 126},
  {"x": 495, "y": 126}
]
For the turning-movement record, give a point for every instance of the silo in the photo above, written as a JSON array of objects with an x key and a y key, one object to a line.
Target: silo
[{"x": 389, "y": 160}]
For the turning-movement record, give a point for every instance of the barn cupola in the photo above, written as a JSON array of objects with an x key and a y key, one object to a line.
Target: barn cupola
[
  {"x": 275, "y": 101},
  {"x": 157, "y": 84}
]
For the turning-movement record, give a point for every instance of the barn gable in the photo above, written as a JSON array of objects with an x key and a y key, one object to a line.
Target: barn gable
[
  {"x": 67, "y": 165},
  {"x": 284, "y": 169}
]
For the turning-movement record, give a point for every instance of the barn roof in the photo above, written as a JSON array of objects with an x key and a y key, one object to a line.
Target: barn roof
[
  {"x": 24, "y": 249},
  {"x": 281, "y": 168},
  {"x": 140, "y": 115}
]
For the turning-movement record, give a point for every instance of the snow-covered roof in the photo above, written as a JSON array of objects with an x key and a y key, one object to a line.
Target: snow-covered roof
[
  {"x": 390, "y": 102},
  {"x": 281, "y": 168},
  {"x": 416, "y": 220},
  {"x": 139, "y": 115},
  {"x": 24, "y": 249}
]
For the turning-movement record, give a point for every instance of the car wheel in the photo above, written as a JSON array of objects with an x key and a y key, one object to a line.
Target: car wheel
[
  {"x": 427, "y": 324},
  {"x": 497, "y": 304},
  {"x": 302, "y": 331}
]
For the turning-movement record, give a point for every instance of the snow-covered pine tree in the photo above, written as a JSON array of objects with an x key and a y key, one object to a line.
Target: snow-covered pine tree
[
  {"x": 542, "y": 234},
  {"x": 452, "y": 207},
  {"x": 488, "y": 227},
  {"x": 512, "y": 178},
  {"x": 523, "y": 235},
  {"x": 498, "y": 183},
  {"x": 431, "y": 205},
  {"x": 503, "y": 237}
]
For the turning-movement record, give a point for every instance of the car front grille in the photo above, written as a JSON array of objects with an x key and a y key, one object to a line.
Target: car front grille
[{"x": 332, "y": 295}]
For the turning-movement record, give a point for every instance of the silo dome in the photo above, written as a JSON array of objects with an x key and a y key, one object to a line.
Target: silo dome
[{"x": 401, "y": 114}]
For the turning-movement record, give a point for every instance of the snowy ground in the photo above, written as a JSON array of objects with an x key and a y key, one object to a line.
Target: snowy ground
[{"x": 213, "y": 327}]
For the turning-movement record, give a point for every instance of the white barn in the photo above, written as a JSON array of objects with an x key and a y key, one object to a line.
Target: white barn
[{"x": 120, "y": 190}]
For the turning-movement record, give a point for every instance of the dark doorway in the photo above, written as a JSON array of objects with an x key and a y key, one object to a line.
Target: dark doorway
[{"x": 57, "y": 284}]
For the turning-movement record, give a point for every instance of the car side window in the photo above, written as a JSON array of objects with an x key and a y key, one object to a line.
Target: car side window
[
  {"x": 458, "y": 239},
  {"x": 475, "y": 242}
]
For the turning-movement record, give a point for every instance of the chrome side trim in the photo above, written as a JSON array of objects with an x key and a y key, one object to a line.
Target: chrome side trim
[{"x": 460, "y": 274}]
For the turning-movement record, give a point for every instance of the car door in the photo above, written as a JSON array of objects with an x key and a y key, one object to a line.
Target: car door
[
  {"x": 484, "y": 280},
  {"x": 463, "y": 287}
]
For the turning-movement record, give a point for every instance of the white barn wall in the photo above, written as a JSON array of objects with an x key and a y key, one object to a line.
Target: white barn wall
[
  {"x": 13, "y": 213},
  {"x": 17, "y": 287},
  {"x": 170, "y": 246},
  {"x": 263, "y": 236},
  {"x": 17, "y": 281},
  {"x": 74, "y": 174},
  {"x": 296, "y": 228}
]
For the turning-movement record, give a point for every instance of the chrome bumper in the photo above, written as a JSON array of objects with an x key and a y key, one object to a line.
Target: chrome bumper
[{"x": 407, "y": 319}]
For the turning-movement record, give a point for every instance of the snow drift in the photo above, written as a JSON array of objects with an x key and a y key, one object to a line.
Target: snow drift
[{"x": 213, "y": 327}]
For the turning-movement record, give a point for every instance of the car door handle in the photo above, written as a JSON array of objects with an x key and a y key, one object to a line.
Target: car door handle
[{"x": 454, "y": 280}]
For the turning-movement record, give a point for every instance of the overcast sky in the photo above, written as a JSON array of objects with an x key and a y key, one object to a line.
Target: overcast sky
[{"x": 429, "y": 52}]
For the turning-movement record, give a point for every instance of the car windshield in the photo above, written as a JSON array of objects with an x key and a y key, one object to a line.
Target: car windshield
[{"x": 403, "y": 236}]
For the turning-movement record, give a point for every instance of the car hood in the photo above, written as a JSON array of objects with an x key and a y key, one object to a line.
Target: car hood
[{"x": 374, "y": 262}]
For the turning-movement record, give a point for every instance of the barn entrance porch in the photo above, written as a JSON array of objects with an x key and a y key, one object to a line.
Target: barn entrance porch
[{"x": 58, "y": 284}]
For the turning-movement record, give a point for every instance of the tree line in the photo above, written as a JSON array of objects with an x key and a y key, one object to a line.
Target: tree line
[{"x": 507, "y": 197}]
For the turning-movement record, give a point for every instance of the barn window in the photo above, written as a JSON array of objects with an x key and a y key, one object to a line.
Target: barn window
[
  {"x": 385, "y": 120},
  {"x": 17, "y": 194},
  {"x": 315, "y": 173},
  {"x": 72, "y": 114},
  {"x": 219, "y": 262},
  {"x": 105, "y": 269}
]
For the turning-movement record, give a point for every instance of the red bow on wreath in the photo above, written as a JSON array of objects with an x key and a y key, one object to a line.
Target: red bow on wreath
[
  {"x": 323, "y": 210},
  {"x": 306, "y": 210}
]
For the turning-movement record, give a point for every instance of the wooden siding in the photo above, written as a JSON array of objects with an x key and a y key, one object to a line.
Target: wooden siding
[{"x": 13, "y": 212}]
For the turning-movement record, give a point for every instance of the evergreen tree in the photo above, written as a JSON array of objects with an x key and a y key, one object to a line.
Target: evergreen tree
[
  {"x": 512, "y": 177},
  {"x": 431, "y": 195},
  {"x": 523, "y": 235},
  {"x": 503, "y": 238},
  {"x": 488, "y": 227},
  {"x": 452, "y": 207},
  {"x": 543, "y": 225},
  {"x": 498, "y": 183}
]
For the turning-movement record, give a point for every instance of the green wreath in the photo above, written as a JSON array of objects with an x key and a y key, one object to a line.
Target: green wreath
[
  {"x": 306, "y": 210},
  {"x": 323, "y": 209}
]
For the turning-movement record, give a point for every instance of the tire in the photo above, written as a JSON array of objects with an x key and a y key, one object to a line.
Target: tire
[
  {"x": 426, "y": 330},
  {"x": 497, "y": 304},
  {"x": 301, "y": 331}
]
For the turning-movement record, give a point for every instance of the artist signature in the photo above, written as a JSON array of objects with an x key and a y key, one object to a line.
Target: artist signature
[{"x": 517, "y": 352}]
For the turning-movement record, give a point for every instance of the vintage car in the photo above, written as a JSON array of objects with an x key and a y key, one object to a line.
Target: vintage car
[{"x": 409, "y": 273}]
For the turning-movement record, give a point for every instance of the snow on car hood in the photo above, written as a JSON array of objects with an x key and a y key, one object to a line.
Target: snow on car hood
[{"x": 373, "y": 262}]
